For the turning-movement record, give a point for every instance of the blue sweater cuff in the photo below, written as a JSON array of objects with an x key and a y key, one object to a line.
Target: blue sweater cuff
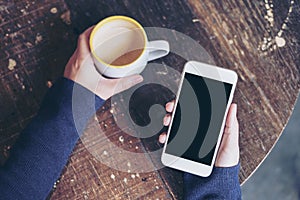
[{"x": 223, "y": 183}]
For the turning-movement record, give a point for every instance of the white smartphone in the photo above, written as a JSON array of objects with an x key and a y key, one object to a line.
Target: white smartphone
[{"x": 195, "y": 132}]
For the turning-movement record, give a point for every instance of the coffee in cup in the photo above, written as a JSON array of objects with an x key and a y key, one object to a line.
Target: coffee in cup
[{"x": 120, "y": 47}]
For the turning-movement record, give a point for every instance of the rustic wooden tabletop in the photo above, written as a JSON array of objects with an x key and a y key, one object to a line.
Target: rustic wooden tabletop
[{"x": 257, "y": 39}]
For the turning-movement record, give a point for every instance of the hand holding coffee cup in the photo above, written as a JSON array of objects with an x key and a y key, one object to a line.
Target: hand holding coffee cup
[
  {"x": 81, "y": 69},
  {"x": 120, "y": 47}
]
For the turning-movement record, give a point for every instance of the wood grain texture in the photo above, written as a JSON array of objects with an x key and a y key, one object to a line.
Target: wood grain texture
[
  {"x": 35, "y": 45},
  {"x": 257, "y": 39}
]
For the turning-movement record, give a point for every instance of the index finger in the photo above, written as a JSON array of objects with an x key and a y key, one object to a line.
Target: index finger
[{"x": 83, "y": 42}]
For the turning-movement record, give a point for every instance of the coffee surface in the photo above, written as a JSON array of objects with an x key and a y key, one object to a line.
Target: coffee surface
[{"x": 127, "y": 58}]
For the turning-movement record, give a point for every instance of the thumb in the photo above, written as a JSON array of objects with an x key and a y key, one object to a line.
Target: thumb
[
  {"x": 126, "y": 83},
  {"x": 231, "y": 115}
]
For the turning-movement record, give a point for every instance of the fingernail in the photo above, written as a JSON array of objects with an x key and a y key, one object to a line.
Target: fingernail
[
  {"x": 162, "y": 138},
  {"x": 169, "y": 106},
  {"x": 165, "y": 120}
]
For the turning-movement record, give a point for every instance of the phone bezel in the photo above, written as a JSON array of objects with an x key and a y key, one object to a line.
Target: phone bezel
[{"x": 215, "y": 73}]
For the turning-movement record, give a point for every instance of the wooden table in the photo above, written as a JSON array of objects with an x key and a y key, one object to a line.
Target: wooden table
[{"x": 257, "y": 39}]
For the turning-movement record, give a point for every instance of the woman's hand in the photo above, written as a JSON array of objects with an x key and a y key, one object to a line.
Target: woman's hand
[
  {"x": 229, "y": 153},
  {"x": 81, "y": 70}
]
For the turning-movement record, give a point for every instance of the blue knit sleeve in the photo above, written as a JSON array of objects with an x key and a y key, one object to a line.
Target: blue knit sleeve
[
  {"x": 44, "y": 146},
  {"x": 222, "y": 184}
]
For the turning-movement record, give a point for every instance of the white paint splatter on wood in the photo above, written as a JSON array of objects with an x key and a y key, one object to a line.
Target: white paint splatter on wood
[
  {"x": 112, "y": 176},
  {"x": 121, "y": 139},
  {"x": 11, "y": 64},
  {"x": 270, "y": 42},
  {"x": 53, "y": 10},
  {"x": 280, "y": 41}
]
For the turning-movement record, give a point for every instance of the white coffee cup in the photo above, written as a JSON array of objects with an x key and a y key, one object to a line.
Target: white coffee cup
[{"x": 120, "y": 47}]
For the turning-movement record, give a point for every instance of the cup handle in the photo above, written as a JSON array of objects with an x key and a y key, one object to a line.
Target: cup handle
[{"x": 158, "y": 49}]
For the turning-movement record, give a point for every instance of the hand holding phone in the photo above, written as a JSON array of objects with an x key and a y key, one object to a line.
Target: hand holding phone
[
  {"x": 196, "y": 126},
  {"x": 229, "y": 153}
]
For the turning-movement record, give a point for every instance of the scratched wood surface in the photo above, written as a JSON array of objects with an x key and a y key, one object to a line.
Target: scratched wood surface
[{"x": 257, "y": 39}]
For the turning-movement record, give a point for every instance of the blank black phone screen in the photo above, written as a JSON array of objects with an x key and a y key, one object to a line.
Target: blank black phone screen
[{"x": 198, "y": 118}]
